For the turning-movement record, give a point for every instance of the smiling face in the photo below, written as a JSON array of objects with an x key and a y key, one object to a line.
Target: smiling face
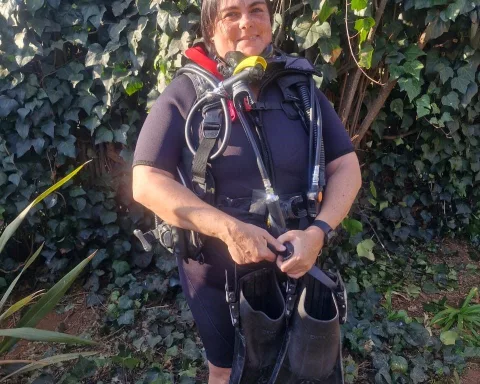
[{"x": 242, "y": 25}]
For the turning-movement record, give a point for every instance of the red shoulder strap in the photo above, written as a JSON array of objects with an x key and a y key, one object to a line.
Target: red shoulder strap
[{"x": 200, "y": 57}]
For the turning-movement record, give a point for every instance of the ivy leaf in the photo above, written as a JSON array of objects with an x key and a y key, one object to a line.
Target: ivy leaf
[
  {"x": 463, "y": 209},
  {"x": 468, "y": 71},
  {"x": 459, "y": 7},
  {"x": 451, "y": 100},
  {"x": 87, "y": 102},
  {"x": 396, "y": 106},
  {"x": 14, "y": 178},
  {"x": 436, "y": 28},
  {"x": 38, "y": 144},
  {"x": 411, "y": 86},
  {"x": 96, "y": 19},
  {"x": 352, "y": 226},
  {"x": 23, "y": 127},
  {"x": 326, "y": 11},
  {"x": 108, "y": 217},
  {"x": 190, "y": 350},
  {"x": 128, "y": 318},
  {"x": 358, "y": 5},
  {"x": 365, "y": 248},
  {"x": 7, "y": 105},
  {"x": 398, "y": 364},
  {"x": 444, "y": 71},
  {"x": 448, "y": 337},
  {"x": 373, "y": 190},
  {"x": 413, "y": 68},
  {"x": 132, "y": 85},
  {"x": 34, "y": 5},
  {"x": 115, "y": 30},
  {"x": 96, "y": 56},
  {"x": 418, "y": 375},
  {"x": 91, "y": 123},
  {"x": 366, "y": 55},
  {"x": 3, "y": 179},
  {"x": 135, "y": 36},
  {"x": 144, "y": 7},
  {"x": 67, "y": 147},
  {"x": 120, "y": 135},
  {"x": 168, "y": 21},
  {"x": 460, "y": 83},
  {"x": 119, "y": 6},
  {"x": 413, "y": 52},
  {"x": 472, "y": 90},
  {"x": 423, "y": 106},
  {"x": 22, "y": 147},
  {"x": 71, "y": 115},
  {"x": 120, "y": 267},
  {"x": 363, "y": 26},
  {"x": 103, "y": 135},
  {"x": 308, "y": 32}
]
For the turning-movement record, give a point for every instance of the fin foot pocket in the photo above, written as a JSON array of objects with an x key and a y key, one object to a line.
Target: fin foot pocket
[
  {"x": 313, "y": 354},
  {"x": 259, "y": 336}
]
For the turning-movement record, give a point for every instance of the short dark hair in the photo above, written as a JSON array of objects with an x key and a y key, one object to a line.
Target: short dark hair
[{"x": 208, "y": 16}]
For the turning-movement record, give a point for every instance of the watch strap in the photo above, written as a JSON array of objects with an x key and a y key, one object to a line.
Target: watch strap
[{"x": 325, "y": 227}]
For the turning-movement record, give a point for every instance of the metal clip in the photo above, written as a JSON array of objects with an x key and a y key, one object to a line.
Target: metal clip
[{"x": 146, "y": 245}]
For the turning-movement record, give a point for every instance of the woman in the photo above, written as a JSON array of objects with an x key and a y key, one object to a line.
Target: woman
[{"x": 245, "y": 26}]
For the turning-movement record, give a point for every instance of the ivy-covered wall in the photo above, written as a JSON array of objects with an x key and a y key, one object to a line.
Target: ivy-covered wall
[{"x": 77, "y": 79}]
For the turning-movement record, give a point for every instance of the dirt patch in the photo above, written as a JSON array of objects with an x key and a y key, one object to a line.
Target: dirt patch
[
  {"x": 456, "y": 255},
  {"x": 71, "y": 317},
  {"x": 472, "y": 374}
]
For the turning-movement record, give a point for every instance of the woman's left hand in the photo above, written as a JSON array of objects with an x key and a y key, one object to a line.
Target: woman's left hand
[{"x": 307, "y": 245}]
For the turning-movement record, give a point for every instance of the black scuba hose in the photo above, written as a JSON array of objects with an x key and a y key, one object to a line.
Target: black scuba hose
[
  {"x": 307, "y": 105},
  {"x": 320, "y": 150},
  {"x": 261, "y": 167}
]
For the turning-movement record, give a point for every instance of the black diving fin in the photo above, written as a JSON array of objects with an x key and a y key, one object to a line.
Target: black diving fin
[
  {"x": 260, "y": 331},
  {"x": 312, "y": 348}
]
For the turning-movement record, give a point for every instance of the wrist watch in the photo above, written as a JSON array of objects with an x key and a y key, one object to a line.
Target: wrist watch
[{"x": 327, "y": 230}]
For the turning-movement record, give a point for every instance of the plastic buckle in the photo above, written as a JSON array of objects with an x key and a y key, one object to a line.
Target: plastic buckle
[
  {"x": 234, "y": 314},
  {"x": 212, "y": 123},
  {"x": 342, "y": 300},
  {"x": 294, "y": 207},
  {"x": 232, "y": 306},
  {"x": 290, "y": 304},
  {"x": 291, "y": 296},
  {"x": 312, "y": 204}
]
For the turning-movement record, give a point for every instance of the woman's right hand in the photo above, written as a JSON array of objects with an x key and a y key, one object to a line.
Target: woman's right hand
[{"x": 248, "y": 243}]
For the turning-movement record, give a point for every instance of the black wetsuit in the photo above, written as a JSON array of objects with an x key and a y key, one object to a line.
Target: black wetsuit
[{"x": 160, "y": 145}]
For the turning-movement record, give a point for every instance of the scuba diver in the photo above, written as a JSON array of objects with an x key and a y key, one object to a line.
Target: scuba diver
[{"x": 250, "y": 170}]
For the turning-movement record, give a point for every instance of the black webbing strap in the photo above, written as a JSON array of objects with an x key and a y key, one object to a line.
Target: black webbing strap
[{"x": 212, "y": 124}]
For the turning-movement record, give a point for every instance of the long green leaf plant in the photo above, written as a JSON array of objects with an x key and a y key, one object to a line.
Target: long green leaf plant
[{"x": 25, "y": 327}]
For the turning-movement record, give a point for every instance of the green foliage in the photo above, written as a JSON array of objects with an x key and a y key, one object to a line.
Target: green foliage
[
  {"x": 24, "y": 327},
  {"x": 465, "y": 319}
]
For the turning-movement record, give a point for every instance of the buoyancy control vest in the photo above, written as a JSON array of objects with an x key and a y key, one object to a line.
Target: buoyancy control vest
[{"x": 293, "y": 75}]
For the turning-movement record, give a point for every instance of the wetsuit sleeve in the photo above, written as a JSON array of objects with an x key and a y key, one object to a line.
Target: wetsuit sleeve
[
  {"x": 162, "y": 137},
  {"x": 335, "y": 138}
]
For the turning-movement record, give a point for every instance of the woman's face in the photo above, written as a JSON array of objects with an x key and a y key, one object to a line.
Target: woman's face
[{"x": 242, "y": 25}]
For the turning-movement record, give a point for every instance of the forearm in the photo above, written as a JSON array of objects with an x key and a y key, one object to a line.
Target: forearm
[
  {"x": 343, "y": 185},
  {"x": 177, "y": 205}
]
